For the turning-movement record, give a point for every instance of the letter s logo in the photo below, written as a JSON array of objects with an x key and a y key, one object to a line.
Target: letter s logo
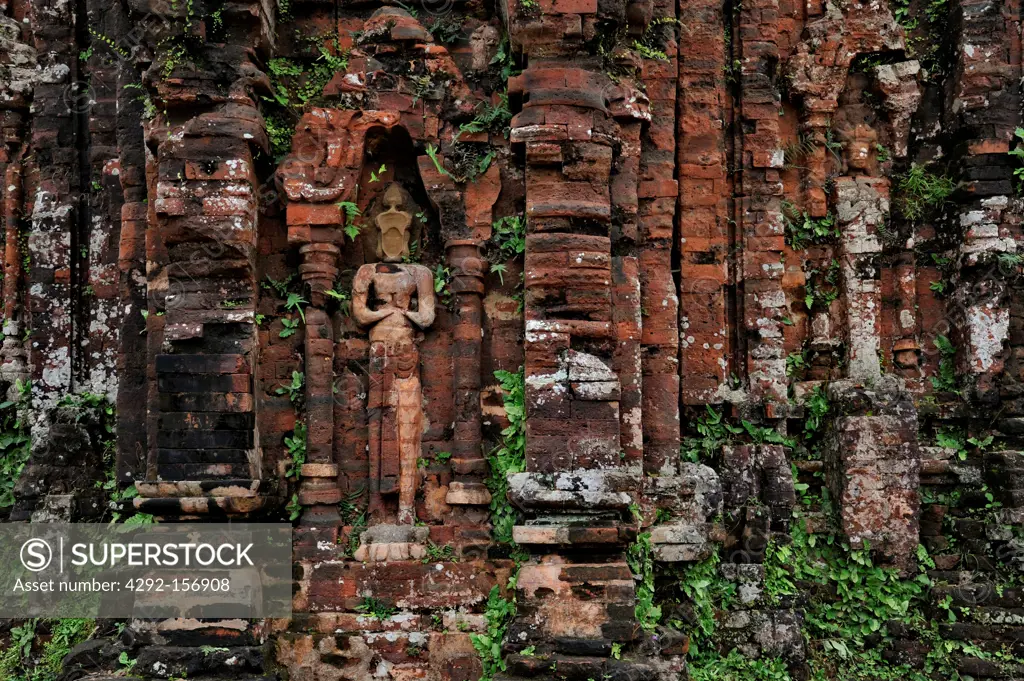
[{"x": 36, "y": 555}]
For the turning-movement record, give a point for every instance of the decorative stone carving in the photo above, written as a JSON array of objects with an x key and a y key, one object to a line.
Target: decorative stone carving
[
  {"x": 394, "y": 299},
  {"x": 383, "y": 543},
  {"x": 484, "y": 43}
]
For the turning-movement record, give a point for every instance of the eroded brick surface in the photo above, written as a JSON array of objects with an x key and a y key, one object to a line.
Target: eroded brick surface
[{"x": 758, "y": 263}]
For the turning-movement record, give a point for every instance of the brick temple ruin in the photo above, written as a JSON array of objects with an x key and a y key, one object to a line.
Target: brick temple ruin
[{"x": 757, "y": 263}]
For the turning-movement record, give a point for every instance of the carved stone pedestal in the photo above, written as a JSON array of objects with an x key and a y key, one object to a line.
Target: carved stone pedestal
[{"x": 383, "y": 543}]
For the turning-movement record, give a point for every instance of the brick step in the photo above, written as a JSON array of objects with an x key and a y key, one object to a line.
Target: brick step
[
  {"x": 211, "y": 471},
  {"x": 212, "y": 505},
  {"x": 202, "y": 364},
  {"x": 229, "y": 497},
  {"x": 576, "y": 667},
  {"x": 976, "y": 595},
  {"x": 190, "y": 633},
  {"x": 191, "y": 662},
  {"x": 239, "y": 487},
  {"x": 188, "y": 420},
  {"x": 218, "y": 402},
  {"x": 336, "y": 586},
  {"x": 205, "y": 439},
  {"x": 204, "y": 383},
  {"x": 978, "y": 668},
  {"x": 202, "y": 456}
]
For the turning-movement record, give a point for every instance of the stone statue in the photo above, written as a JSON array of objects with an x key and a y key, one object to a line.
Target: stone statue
[
  {"x": 484, "y": 43},
  {"x": 395, "y": 299}
]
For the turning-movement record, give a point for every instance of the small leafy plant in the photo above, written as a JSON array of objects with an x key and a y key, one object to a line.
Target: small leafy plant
[
  {"x": 442, "y": 282},
  {"x": 352, "y": 213},
  {"x": 509, "y": 236},
  {"x": 376, "y": 608},
  {"x": 280, "y": 287},
  {"x": 919, "y": 191},
  {"x": 1018, "y": 153},
  {"x": 946, "y": 380},
  {"x": 821, "y": 287},
  {"x": 294, "y": 508},
  {"x": 289, "y": 327},
  {"x": 802, "y": 229},
  {"x": 296, "y": 446},
  {"x": 499, "y": 613},
  {"x": 640, "y": 556},
  {"x": 490, "y": 117},
  {"x": 816, "y": 408},
  {"x": 435, "y": 553},
  {"x": 510, "y": 456},
  {"x": 15, "y": 443},
  {"x": 796, "y": 363},
  {"x": 714, "y": 432},
  {"x": 293, "y": 389},
  {"x": 294, "y": 303}
]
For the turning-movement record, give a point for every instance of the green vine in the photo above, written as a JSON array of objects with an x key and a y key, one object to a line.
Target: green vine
[
  {"x": 1018, "y": 154},
  {"x": 704, "y": 586},
  {"x": 946, "y": 380},
  {"x": 297, "y": 82},
  {"x": 493, "y": 118},
  {"x": 296, "y": 447},
  {"x": 640, "y": 556},
  {"x": 499, "y": 613},
  {"x": 510, "y": 456},
  {"x": 15, "y": 443},
  {"x": 816, "y": 410},
  {"x": 17, "y": 661},
  {"x": 714, "y": 432},
  {"x": 509, "y": 237},
  {"x": 821, "y": 287}
]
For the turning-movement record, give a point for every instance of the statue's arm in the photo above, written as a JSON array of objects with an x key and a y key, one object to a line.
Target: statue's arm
[
  {"x": 361, "y": 311},
  {"x": 424, "y": 316}
]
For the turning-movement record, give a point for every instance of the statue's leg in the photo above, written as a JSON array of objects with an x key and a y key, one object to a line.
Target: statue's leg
[
  {"x": 410, "y": 433},
  {"x": 375, "y": 413}
]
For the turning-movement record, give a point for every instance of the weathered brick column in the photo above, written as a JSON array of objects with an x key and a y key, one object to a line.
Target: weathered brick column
[
  {"x": 206, "y": 457},
  {"x": 53, "y": 192},
  {"x": 316, "y": 228},
  {"x": 871, "y": 457},
  {"x": 133, "y": 374},
  {"x": 319, "y": 489},
  {"x": 466, "y": 221},
  {"x": 657, "y": 193},
  {"x": 468, "y": 462},
  {"x": 862, "y": 204},
  {"x": 706, "y": 300},
  {"x": 759, "y": 203},
  {"x": 986, "y": 99},
  {"x": 15, "y": 95},
  {"x": 872, "y": 467},
  {"x": 585, "y": 333}
]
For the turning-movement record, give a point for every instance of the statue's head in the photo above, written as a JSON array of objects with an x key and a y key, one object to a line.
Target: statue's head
[{"x": 393, "y": 223}]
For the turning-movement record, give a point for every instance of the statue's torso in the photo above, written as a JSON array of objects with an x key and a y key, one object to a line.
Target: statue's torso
[
  {"x": 393, "y": 285},
  {"x": 394, "y": 288}
]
